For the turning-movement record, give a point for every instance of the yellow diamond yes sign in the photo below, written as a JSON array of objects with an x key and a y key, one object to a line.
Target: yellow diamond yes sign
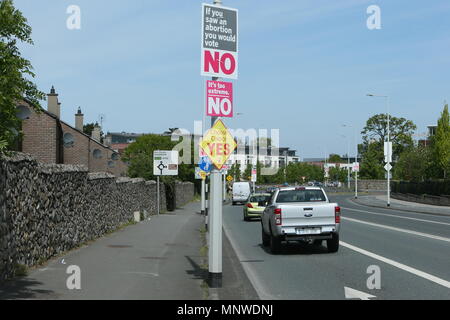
[{"x": 218, "y": 144}]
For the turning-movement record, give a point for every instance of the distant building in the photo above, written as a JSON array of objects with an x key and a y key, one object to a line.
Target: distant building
[
  {"x": 50, "y": 140},
  {"x": 267, "y": 157},
  {"x": 119, "y": 141}
]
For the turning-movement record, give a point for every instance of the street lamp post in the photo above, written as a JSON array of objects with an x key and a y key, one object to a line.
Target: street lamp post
[{"x": 388, "y": 149}]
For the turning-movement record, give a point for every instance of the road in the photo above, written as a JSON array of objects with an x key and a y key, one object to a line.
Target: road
[{"x": 411, "y": 250}]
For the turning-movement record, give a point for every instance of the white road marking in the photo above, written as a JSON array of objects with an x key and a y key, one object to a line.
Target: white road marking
[
  {"x": 401, "y": 266},
  {"x": 355, "y": 294},
  {"x": 258, "y": 284},
  {"x": 393, "y": 215},
  {"x": 426, "y": 235}
]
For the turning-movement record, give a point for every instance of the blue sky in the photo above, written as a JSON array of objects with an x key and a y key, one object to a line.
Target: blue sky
[{"x": 305, "y": 66}]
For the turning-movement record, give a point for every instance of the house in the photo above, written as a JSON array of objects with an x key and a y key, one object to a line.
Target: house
[{"x": 50, "y": 140}]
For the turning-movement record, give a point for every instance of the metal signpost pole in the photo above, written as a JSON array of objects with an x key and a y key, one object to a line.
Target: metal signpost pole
[
  {"x": 215, "y": 228},
  {"x": 203, "y": 197},
  {"x": 157, "y": 195},
  {"x": 219, "y": 60},
  {"x": 388, "y": 155}
]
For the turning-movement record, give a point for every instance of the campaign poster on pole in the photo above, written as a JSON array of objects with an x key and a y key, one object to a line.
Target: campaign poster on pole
[{"x": 219, "y": 55}]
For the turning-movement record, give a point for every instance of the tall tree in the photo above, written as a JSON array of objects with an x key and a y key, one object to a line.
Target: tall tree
[
  {"x": 401, "y": 131},
  {"x": 372, "y": 162},
  {"x": 335, "y": 158},
  {"x": 441, "y": 143},
  {"x": 15, "y": 71}
]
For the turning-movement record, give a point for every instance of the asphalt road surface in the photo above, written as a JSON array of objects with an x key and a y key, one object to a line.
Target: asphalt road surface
[{"x": 412, "y": 252}]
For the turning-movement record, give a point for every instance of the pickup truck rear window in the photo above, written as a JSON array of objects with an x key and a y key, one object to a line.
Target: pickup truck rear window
[{"x": 300, "y": 196}]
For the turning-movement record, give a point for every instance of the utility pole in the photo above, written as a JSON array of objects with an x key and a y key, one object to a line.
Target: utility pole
[
  {"x": 388, "y": 148},
  {"x": 388, "y": 155},
  {"x": 215, "y": 219}
]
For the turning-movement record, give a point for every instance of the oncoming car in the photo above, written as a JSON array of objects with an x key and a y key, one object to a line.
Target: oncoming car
[{"x": 255, "y": 205}]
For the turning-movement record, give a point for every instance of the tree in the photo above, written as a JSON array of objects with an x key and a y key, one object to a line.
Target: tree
[
  {"x": 401, "y": 130},
  {"x": 247, "y": 172},
  {"x": 338, "y": 174},
  {"x": 334, "y": 158},
  {"x": 15, "y": 71},
  {"x": 372, "y": 162},
  {"x": 413, "y": 164},
  {"x": 139, "y": 155},
  {"x": 235, "y": 171},
  {"x": 441, "y": 143}
]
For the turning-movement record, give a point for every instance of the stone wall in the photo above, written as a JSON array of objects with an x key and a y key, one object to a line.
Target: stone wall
[
  {"x": 184, "y": 193},
  {"x": 370, "y": 185},
  {"x": 47, "y": 209}
]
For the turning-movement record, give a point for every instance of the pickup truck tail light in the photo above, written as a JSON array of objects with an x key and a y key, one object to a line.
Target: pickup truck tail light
[
  {"x": 277, "y": 217},
  {"x": 337, "y": 214},
  {"x": 249, "y": 205}
]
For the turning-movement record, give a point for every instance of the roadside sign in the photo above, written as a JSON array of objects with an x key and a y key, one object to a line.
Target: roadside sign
[
  {"x": 165, "y": 163},
  {"x": 218, "y": 144},
  {"x": 219, "y": 41},
  {"x": 388, "y": 167},
  {"x": 355, "y": 167},
  {"x": 219, "y": 99},
  {"x": 388, "y": 152},
  {"x": 254, "y": 175},
  {"x": 205, "y": 164},
  {"x": 200, "y": 174}
]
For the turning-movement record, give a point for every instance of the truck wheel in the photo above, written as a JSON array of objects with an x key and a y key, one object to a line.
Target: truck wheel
[
  {"x": 233, "y": 203},
  {"x": 265, "y": 237},
  {"x": 275, "y": 244},
  {"x": 333, "y": 244}
]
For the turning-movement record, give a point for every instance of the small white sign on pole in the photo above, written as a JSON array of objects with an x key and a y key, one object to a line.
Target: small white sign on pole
[
  {"x": 388, "y": 152},
  {"x": 165, "y": 163}
]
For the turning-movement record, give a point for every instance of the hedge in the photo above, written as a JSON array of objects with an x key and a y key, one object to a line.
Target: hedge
[{"x": 435, "y": 188}]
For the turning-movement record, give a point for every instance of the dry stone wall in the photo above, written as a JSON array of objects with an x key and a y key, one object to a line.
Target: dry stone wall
[
  {"x": 184, "y": 193},
  {"x": 46, "y": 210}
]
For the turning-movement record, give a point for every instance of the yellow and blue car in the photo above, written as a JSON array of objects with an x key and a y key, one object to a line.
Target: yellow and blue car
[{"x": 254, "y": 206}]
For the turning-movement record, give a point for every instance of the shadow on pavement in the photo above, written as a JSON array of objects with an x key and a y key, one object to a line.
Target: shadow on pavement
[
  {"x": 197, "y": 272},
  {"x": 22, "y": 288}
]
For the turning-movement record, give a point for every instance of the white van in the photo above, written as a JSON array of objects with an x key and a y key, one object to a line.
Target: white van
[{"x": 241, "y": 192}]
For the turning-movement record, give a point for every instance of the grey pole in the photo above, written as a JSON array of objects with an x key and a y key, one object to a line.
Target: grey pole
[
  {"x": 157, "y": 195},
  {"x": 203, "y": 197},
  {"x": 348, "y": 164},
  {"x": 388, "y": 151},
  {"x": 388, "y": 155},
  {"x": 215, "y": 220}
]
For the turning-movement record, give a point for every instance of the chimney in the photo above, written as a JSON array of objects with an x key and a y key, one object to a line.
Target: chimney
[
  {"x": 96, "y": 132},
  {"x": 53, "y": 106},
  {"x": 79, "y": 119}
]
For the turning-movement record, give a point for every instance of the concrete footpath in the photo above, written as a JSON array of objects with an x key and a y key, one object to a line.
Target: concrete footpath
[
  {"x": 380, "y": 201},
  {"x": 158, "y": 259}
]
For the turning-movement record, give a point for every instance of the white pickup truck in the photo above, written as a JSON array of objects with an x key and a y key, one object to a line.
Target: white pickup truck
[{"x": 300, "y": 214}]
